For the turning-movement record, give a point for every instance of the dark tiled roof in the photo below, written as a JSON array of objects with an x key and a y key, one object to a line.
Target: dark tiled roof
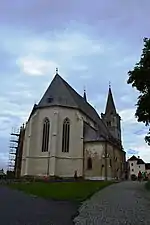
[
  {"x": 147, "y": 166},
  {"x": 133, "y": 158},
  {"x": 90, "y": 134},
  {"x": 110, "y": 105},
  {"x": 140, "y": 161},
  {"x": 60, "y": 93}
]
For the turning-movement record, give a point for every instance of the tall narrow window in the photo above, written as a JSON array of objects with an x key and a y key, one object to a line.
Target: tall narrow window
[
  {"x": 109, "y": 123},
  {"x": 66, "y": 135},
  {"x": 89, "y": 163},
  {"x": 45, "y": 140},
  {"x": 110, "y": 163}
]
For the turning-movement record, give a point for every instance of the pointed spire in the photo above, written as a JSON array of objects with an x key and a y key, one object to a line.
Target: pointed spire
[
  {"x": 110, "y": 105},
  {"x": 56, "y": 71},
  {"x": 109, "y": 84},
  {"x": 84, "y": 95}
]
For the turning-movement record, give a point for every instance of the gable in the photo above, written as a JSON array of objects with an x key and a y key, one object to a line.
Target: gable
[
  {"x": 147, "y": 166},
  {"x": 60, "y": 93},
  {"x": 140, "y": 161},
  {"x": 57, "y": 95},
  {"x": 133, "y": 158}
]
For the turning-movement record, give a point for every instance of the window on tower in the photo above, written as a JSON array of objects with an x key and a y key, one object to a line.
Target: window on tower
[{"x": 108, "y": 123}]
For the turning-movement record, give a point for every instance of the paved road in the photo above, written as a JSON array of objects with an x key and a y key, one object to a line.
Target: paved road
[
  {"x": 17, "y": 208},
  {"x": 124, "y": 203}
]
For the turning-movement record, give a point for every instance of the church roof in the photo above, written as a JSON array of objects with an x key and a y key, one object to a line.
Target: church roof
[
  {"x": 147, "y": 166},
  {"x": 110, "y": 105},
  {"x": 134, "y": 158},
  {"x": 60, "y": 93},
  {"x": 140, "y": 161},
  {"x": 91, "y": 134}
]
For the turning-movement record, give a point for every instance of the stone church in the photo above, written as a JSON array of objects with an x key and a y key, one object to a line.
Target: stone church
[{"x": 64, "y": 136}]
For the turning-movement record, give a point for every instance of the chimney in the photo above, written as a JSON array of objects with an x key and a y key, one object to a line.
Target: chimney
[{"x": 138, "y": 157}]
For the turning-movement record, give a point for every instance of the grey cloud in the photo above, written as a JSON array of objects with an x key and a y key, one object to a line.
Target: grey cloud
[
  {"x": 132, "y": 152},
  {"x": 109, "y": 16},
  {"x": 141, "y": 131}
]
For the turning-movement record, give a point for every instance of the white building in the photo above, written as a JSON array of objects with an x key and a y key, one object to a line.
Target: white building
[
  {"x": 136, "y": 164},
  {"x": 64, "y": 134}
]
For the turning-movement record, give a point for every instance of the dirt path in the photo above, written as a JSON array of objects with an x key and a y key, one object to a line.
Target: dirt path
[{"x": 124, "y": 203}]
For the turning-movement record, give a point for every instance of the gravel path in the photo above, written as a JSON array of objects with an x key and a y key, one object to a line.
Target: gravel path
[
  {"x": 17, "y": 208},
  {"x": 123, "y": 203}
]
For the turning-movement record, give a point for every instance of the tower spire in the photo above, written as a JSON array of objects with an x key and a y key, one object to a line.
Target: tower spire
[
  {"x": 109, "y": 84},
  {"x": 110, "y": 105},
  {"x": 56, "y": 71},
  {"x": 84, "y": 95}
]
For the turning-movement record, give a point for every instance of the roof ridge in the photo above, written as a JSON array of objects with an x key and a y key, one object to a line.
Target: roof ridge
[{"x": 72, "y": 89}]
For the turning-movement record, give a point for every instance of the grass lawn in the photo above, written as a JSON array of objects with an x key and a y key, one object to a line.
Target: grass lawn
[{"x": 74, "y": 191}]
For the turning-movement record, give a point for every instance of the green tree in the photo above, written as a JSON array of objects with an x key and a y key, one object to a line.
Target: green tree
[{"x": 139, "y": 77}]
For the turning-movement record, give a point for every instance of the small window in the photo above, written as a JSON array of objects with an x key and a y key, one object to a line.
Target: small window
[
  {"x": 89, "y": 163},
  {"x": 139, "y": 166},
  {"x": 131, "y": 164},
  {"x": 132, "y": 170},
  {"x": 50, "y": 99},
  {"x": 108, "y": 123}
]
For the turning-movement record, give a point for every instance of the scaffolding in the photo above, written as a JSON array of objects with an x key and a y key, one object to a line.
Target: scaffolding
[{"x": 14, "y": 140}]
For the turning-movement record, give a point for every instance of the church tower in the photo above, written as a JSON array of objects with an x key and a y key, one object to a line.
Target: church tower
[{"x": 111, "y": 117}]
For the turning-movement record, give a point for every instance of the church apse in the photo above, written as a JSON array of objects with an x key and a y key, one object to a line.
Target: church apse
[{"x": 69, "y": 148}]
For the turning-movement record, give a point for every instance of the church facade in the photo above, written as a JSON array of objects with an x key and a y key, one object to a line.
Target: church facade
[{"x": 65, "y": 136}]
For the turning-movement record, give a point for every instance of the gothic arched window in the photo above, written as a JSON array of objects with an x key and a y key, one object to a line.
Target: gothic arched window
[
  {"x": 89, "y": 163},
  {"x": 45, "y": 139},
  {"x": 66, "y": 135}
]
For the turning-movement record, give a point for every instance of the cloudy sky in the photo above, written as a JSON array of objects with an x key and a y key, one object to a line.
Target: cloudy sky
[{"x": 91, "y": 42}]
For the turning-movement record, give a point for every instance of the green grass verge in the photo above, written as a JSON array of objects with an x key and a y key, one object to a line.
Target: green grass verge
[
  {"x": 147, "y": 185},
  {"x": 73, "y": 191}
]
